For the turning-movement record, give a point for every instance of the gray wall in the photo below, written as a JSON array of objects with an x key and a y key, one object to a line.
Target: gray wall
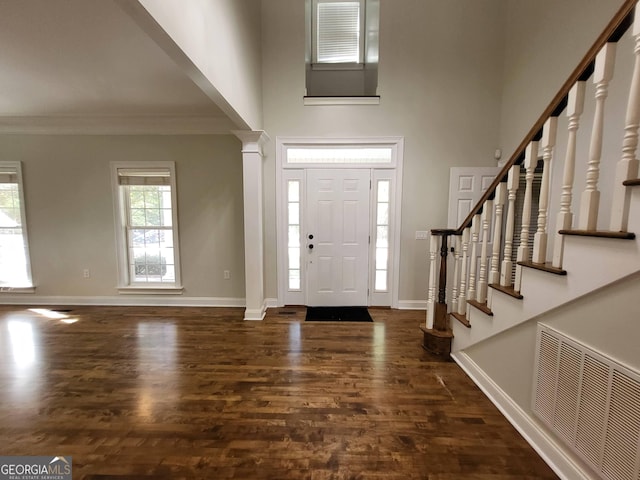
[
  {"x": 440, "y": 86},
  {"x": 544, "y": 41},
  {"x": 70, "y": 213}
]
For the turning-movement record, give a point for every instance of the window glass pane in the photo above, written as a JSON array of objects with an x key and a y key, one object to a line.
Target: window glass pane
[
  {"x": 381, "y": 280},
  {"x": 294, "y": 279},
  {"x": 383, "y": 191},
  {"x": 13, "y": 260},
  {"x": 14, "y": 268},
  {"x": 382, "y": 237},
  {"x": 149, "y": 216},
  {"x": 383, "y": 214},
  {"x": 381, "y": 257},
  {"x": 294, "y": 214},
  {"x": 338, "y": 32},
  {"x": 294, "y": 258},
  {"x": 340, "y": 155},
  {"x": 294, "y": 236},
  {"x": 294, "y": 191}
]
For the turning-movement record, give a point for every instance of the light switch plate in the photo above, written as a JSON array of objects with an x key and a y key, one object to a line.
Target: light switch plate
[{"x": 422, "y": 235}]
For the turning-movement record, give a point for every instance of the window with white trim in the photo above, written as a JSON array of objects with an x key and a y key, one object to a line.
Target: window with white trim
[
  {"x": 15, "y": 267},
  {"x": 338, "y": 28},
  {"x": 148, "y": 225}
]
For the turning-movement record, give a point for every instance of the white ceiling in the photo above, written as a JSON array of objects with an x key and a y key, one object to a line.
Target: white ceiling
[{"x": 87, "y": 58}]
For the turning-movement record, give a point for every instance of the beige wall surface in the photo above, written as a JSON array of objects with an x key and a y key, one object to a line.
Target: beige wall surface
[
  {"x": 70, "y": 209},
  {"x": 544, "y": 41},
  {"x": 439, "y": 82},
  {"x": 605, "y": 320},
  {"x": 222, "y": 39}
]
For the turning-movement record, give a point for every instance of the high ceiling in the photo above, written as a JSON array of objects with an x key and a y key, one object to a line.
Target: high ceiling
[{"x": 87, "y": 58}]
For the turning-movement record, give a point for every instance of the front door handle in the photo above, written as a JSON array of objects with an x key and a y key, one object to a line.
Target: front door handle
[{"x": 311, "y": 246}]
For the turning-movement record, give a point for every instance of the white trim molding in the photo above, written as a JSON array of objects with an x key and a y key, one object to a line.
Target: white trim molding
[
  {"x": 551, "y": 451},
  {"x": 329, "y": 101},
  {"x": 388, "y": 170},
  {"x": 124, "y": 301},
  {"x": 412, "y": 304},
  {"x": 115, "y": 125}
]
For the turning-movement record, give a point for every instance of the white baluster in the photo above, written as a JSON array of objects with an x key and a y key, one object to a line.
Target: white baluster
[
  {"x": 499, "y": 199},
  {"x": 548, "y": 143},
  {"x": 487, "y": 211},
  {"x": 506, "y": 270},
  {"x": 530, "y": 161},
  {"x": 433, "y": 279},
  {"x": 575, "y": 107},
  {"x": 462, "y": 298},
  {"x": 473, "y": 267},
  {"x": 627, "y": 167},
  {"x": 590, "y": 199},
  {"x": 457, "y": 258}
]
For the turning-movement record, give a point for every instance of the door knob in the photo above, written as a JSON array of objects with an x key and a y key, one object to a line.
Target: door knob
[
  {"x": 311, "y": 246},
  {"x": 311, "y": 237}
]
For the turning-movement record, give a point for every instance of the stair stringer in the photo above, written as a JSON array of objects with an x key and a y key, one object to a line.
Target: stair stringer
[{"x": 591, "y": 263}]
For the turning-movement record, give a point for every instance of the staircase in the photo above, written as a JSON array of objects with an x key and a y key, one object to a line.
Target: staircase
[
  {"x": 503, "y": 266},
  {"x": 553, "y": 239}
]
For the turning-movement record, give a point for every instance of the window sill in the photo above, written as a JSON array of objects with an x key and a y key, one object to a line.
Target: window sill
[
  {"x": 151, "y": 290},
  {"x": 337, "y": 66},
  {"x": 315, "y": 101},
  {"x": 7, "y": 289}
]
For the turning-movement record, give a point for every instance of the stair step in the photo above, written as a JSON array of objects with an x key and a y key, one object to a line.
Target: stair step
[
  {"x": 462, "y": 319},
  {"x": 481, "y": 306},
  {"x": 508, "y": 290},
  {"x": 545, "y": 267},
  {"x": 631, "y": 183},
  {"x": 599, "y": 234}
]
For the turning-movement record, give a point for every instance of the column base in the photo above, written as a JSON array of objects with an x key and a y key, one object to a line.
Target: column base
[{"x": 437, "y": 342}]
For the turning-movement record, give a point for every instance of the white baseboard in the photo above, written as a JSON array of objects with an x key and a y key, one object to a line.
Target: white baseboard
[
  {"x": 412, "y": 304},
  {"x": 125, "y": 300},
  {"x": 271, "y": 303},
  {"x": 551, "y": 451}
]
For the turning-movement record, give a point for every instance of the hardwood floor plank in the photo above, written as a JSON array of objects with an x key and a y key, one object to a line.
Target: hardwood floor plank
[{"x": 171, "y": 393}]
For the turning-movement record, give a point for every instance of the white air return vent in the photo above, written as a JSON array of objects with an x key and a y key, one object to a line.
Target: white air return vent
[{"x": 591, "y": 402}]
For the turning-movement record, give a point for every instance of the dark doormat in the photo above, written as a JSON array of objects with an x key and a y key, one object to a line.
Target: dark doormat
[{"x": 338, "y": 314}]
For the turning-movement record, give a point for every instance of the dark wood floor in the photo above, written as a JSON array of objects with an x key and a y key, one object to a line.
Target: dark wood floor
[{"x": 195, "y": 393}]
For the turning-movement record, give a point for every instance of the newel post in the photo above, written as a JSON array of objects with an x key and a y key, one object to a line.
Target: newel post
[{"x": 437, "y": 333}]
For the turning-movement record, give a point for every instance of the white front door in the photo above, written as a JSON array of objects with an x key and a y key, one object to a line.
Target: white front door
[{"x": 336, "y": 241}]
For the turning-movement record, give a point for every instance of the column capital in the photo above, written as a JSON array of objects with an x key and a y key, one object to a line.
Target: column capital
[{"x": 252, "y": 140}]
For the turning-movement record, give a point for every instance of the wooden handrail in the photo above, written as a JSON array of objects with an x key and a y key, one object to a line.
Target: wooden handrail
[{"x": 614, "y": 30}]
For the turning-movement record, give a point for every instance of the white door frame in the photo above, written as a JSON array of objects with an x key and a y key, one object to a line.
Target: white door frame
[{"x": 389, "y": 170}]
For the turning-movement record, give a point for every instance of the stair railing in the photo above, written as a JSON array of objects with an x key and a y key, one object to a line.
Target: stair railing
[{"x": 496, "y": 269}]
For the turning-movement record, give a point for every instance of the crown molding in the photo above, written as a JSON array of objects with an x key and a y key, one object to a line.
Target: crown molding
[{"x": 115, "y": 125}]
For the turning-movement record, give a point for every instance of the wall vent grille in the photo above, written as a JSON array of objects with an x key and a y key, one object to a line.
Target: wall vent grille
[{"x": 591, "y": 402}]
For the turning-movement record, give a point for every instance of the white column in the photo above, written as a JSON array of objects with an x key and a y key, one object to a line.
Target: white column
[
  {"x": 549, "y": 132},
  {"x": 499, "y": 199},
  {"x": 530, "y": 161},
  {"x": 627, "y": 167},
  {"x": 513, "y": 183},
  {"x": 473, "y": 267},
  {"x": 252, "y": 142},
  {"x": 487, "y": 211},
  {"x": 575, "y": 107},
  {"x": 590, "y": 200},
  {"x": 462, "y": 297},
  {"x": 456, "y": 272},
  {"x": 433, "y": 280}
]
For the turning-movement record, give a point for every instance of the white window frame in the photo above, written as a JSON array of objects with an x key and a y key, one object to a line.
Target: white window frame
[
  {"x": 391, "y": 171},
  {"x": 316, "y": 65},
  {"x": 28, "y": 287},
  {"x": 125, "y": 284}
]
